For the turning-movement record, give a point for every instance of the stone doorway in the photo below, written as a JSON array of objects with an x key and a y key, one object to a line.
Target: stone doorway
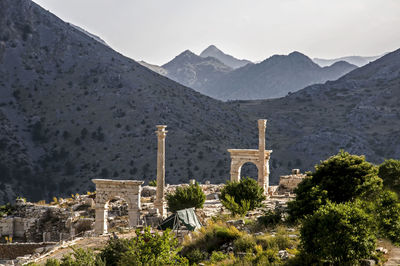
[{"x": 106, "y": 190}]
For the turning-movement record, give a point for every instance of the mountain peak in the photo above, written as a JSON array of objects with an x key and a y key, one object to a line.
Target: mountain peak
[{"x": 213, "y": 51}]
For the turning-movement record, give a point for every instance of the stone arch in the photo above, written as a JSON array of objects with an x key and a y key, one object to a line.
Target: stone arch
[
  {"x": 259, "y": 157},
  {"x": 107, "y": 189},
  {"x": 246, "y": 165}
]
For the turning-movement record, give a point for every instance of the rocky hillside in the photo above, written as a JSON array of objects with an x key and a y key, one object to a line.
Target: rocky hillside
[
  {"x": 354, "y": 60},
  {"x": 274, "y": 77},
  {"x": 194, "y": 71},
  {"x": 73, "y": 109},
  {"x": 359, "y": 113},
  {"x": 213, "y": 51}
]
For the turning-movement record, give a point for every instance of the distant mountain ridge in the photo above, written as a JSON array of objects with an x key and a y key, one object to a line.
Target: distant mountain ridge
[
  {"x": 213, "y": 51},
  {"x": 273, "y": 77},
  {"x": 359, "y": 113},
  {"x": 354, "y": 60},
  {"x": 194, "y": 71}
]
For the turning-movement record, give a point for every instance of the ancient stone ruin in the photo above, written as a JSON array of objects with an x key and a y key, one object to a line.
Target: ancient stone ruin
[
  {"x": 159, "y": 204},
  {"x": 259, "y": 157},
  {"x": 106, "y": 190}
]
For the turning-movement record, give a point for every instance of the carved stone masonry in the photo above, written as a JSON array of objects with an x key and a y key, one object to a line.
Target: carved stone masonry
[
  {"x": 107, "y": 189},
  {"x": 159, "y": 202},
  {"x": 258, "y": 157}
]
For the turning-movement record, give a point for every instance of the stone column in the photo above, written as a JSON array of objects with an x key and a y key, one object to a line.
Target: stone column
[
  {"x": 159, "y": 203},
  {"x": 134, "y": 207},
  {"x": 263, "y": 164},
  {"x": 100, "y": 225},
  {"x": 235, "y": 172}
]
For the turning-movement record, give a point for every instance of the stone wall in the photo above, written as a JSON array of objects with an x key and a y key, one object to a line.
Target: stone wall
[{"x": 287, "y": 183}]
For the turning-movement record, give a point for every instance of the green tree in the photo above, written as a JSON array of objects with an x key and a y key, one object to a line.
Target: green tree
[
  {"x": 340, "y": 178},
  {"x": 246, "y": 192},
  {"x": 389, "y": 171},
  {"x": 339, "y": 233},
  {"x": 186, "y": 197},
  {"x": 387, "y": 214},
  {"x": 150, "y": 248}
]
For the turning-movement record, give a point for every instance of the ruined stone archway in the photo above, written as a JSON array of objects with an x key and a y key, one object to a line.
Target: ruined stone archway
[
  {"x": 107, "y": 189},
  {"x": 258, "y": 157}
]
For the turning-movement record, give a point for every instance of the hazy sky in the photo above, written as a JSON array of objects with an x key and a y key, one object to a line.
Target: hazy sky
[{"x": 158, "y": 30}]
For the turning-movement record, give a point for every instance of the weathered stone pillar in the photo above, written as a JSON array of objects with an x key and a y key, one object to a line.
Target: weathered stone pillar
[
  {"x": 263, "y": 169},
  {"x": 100, "y": 224},
  {"x": 159, "y": 203},
  {"x": 235, "y": 172}
]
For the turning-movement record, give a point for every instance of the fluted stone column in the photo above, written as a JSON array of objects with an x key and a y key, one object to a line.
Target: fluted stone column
[
  {"x": 159, "y": 203},
  {"x": 263, "y": 171}
]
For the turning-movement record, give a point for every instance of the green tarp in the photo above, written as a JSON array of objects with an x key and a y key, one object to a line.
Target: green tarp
[{"x": 185, "y": 217}]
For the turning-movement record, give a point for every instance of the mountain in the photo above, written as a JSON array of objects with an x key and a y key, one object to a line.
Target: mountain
[
  {"x": 354, "y": 60},
  {"x": 160, "y": 70},
  {"x": 73, "y": 109},
  {"x": 97, "y": 38},
  {"x": 359, "y": 113},
  {"x": 194, "y": 71},
  {"x": 274, "y": 77},
  {"x": 213, "y": 51}
]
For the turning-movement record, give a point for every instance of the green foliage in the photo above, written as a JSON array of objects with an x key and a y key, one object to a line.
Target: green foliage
[
  {"x": 6, "y": 209},
  {"x": 186, "y": 197},
  {"x": 387, "y": 213},
  {"x": 114, "y": 250},
  {"x": 79, "y": 257},
  {"x": 211, "y": 237},
  {"x": 339, "y": 233},
  {"x": 247, "y": 194},
  {"x": 389, "y": 171},
  {"x": 270, "y": 218},
  {"x": 153, "y": 183},
  {"x": 152, "y": 249},
  {"x": 217, "y": 256},
  {"x": 245, "y": 243},
  {"x": 341, "y": 178},
  {"x": 195, "y": 256},
  {"x": 235, "y": 208}
]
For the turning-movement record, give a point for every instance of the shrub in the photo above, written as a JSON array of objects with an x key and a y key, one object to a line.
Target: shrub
[
  {"x": 186, "y": 197},
  {"x": 245, "y": 192},
  {"x": 113, "y": 251},
  {"x": 195, "y": 256},
  {"x": 387, "y": 215},
  {"x": 235, "y": 208},
  {"x": 270, "y": 218},
  {"x": 389, "y": 171},
  {"x": 341, "y": 178},
  {"x": 79, "y": 257},
  {"x": 152, "y": 249},
  {"x": 245, "y": 243},
  {"x": 211, "y": 237},
  {"x": 217, "y": 256},
  {"x": 153, "y": 183},
  {"x": 340, "y": 233}
]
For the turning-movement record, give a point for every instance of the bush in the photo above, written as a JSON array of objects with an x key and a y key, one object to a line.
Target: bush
[
  {"x": 340, "y": 233},
  {"x": 186, "y": 197},
  {"x": 270, "y": 218},
  {"x": 389, "y": 171},
  {"x": 114, "y": 250},
  {"x": 153, "y": 183},
  {"x": 152, "y": 249},
  {"x": 246, "y": 192},
  {"x": 245, "y": 243},
  {"x": 79, "y": 257},
  {"x": 195, "y": 256},
  {"x": 387, "y": 215},
  {"x": 211, "y": 237},
  {"x": 340, "y": 178},
  {"x": 218, "y": 256}
]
